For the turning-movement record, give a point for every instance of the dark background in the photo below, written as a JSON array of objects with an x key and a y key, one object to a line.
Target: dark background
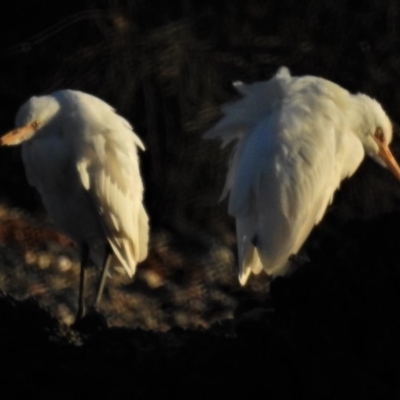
[{"x": 167, "y": 66}]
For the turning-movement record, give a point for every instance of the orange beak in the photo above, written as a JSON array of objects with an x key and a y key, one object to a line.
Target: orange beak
[
  {"x": 18, "y": 135},
  {"x": 387, "y": 157}
]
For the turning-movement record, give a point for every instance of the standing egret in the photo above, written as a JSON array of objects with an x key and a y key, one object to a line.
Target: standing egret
[
  {"x": 297, "y": 139},
  {"x": 82, "y": 158}
]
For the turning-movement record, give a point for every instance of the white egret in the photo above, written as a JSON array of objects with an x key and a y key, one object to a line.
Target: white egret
[
  {"x": 82, "y": 158},
  {"x": 296, "y": 139}
]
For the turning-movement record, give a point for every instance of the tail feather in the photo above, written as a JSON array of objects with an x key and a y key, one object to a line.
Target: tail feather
[{"x": 251, "y": 264}]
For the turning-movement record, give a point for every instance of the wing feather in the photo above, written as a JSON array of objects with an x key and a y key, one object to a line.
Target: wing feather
[{"x": 108, "y": 166}]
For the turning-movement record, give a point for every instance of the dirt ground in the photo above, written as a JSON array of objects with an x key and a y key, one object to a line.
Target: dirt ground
[{"x": 329, "y": 330}]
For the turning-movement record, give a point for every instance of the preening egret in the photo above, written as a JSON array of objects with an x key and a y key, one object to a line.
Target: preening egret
[
  {"x": 296, "y": 139},
  {"x": 82, "y": 158}
]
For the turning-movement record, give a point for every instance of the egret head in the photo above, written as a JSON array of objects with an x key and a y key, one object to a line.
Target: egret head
[
  {"x": 375, "y": 132},
  {"x": 31, "y": 117}
]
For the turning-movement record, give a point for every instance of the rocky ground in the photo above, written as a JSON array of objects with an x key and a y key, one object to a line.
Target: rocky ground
[{"x": 182, "y": 283}]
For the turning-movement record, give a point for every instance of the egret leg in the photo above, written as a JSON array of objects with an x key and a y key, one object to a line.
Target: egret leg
[
  {"x": 91, "y": 321},
  {"x": 103, "y": 277},
  {"x": 82, "y": 281}
]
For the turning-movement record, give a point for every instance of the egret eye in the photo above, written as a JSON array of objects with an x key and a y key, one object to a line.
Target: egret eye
[
  {"x": 35, "y": 124},
  {"x": 379, "y": 136}
]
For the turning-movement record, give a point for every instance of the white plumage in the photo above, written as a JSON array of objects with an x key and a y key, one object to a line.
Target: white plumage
[
  {"x": 82, "y": 158},
  {"x": 296, "y": 139}
]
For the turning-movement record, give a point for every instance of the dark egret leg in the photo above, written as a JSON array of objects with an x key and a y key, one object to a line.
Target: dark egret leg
[
  {"x": 82, "y": 281},
  {"x": 92, "y": 320}
]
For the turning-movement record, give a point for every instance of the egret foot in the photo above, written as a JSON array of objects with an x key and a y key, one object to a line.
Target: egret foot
[{"x": 93, "y": 321}]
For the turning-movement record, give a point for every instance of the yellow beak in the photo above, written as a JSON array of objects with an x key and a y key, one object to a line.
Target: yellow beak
[
  {"x": 387, "y": 157},
  {"x": 18, "y": 135}
]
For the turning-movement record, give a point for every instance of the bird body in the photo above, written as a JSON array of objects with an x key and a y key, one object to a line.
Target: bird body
[
  {"x": 82, "y": 158},
  {"x": 296, "y": 139}
]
